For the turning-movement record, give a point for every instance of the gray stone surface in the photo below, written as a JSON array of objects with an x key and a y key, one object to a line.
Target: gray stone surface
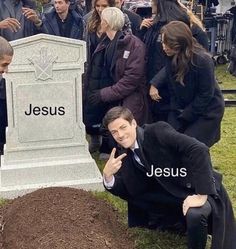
[
  {"x": 224, "y": 5},
  {"x": 45, "y": 138}
]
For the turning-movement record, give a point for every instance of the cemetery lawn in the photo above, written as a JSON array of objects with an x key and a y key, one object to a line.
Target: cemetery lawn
[{"x": 224, "y": 160}]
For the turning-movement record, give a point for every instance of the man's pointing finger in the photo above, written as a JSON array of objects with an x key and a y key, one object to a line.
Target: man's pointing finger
[{"x": 119, "y": 158}]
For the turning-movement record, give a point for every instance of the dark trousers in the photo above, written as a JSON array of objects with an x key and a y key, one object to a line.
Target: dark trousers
[
  {"x": 197, "y": 226},
  {"x": 3, "y": 122},
  {"x": 3, "y": 113},
  {"x": 167, "y": 215}
]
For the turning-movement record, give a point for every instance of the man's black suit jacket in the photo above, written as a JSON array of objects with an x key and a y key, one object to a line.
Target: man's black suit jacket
[{"x": 163, "y": 147}]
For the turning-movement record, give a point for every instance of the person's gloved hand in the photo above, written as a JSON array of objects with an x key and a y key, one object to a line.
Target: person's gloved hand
[{"x": 94, "y": 98}]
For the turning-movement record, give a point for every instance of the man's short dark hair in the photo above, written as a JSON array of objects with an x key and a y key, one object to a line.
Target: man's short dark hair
[
  {"x": 5, "y": 48},
  {"x": 115, "y": 113},
  {"x": 70, "y": 1}
]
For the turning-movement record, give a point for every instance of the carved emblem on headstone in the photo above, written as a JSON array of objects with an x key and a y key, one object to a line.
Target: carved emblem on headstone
[{"x": 43, "y": 64}]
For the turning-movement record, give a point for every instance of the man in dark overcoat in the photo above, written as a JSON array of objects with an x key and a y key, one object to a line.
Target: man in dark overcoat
[
  {"x": 62, "y": 21},
  {"x": 166, "y": 175}
]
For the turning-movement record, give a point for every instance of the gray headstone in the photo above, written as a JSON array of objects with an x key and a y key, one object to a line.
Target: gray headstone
[{"x": 45, "y": 138}]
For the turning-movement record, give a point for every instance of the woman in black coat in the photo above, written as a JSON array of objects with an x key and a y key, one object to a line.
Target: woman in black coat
[
  {"x": 197, "y": 105},
  {"x": 165, "y": 11}
]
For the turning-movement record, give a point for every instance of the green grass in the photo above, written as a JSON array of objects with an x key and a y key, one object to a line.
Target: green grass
[
  {"x": 225, "y": 79},
  {"x": 224, "y": 153}
]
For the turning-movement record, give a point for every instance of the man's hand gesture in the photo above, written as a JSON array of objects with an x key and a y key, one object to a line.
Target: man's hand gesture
[
  {"x": 31, "y": 15},
  {"x": 193, "y": 201},
  {"x": 113, "y": 165},
  {"x": 10, "y": 23}
]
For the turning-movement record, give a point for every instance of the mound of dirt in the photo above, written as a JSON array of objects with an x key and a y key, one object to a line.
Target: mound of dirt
[{"x": 61, "y": 218}]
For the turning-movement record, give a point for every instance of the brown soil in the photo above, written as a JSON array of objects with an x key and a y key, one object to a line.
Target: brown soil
[{"x": 61, "y": 218}]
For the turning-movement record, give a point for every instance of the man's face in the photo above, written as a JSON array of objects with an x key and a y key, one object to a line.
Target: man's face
[
  {"x": 82, "y": 3},
  {"x": 4, "y": 63},
  {"x": 61, "y": 6},
  {"x": 119, "y": 3},
  {"x": 123, "y": 132}
]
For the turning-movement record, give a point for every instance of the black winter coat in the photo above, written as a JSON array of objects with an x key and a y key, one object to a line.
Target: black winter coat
[
  {"x": 163, "y": 147},
  {"x": 197, "y": 107},
  {"x": 50, "y": 25},
  {"x": 98, "y": 77},
  {"x": 135, "y": 20},
  {"x": 156, "y": 60},
  {"x": 156, "y": 57}
]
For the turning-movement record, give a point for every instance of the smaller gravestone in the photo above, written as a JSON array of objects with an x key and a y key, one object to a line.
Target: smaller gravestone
[{"x": 45, "y": 138}]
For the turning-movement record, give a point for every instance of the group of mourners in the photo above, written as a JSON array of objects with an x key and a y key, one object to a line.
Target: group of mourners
[
  {"x": 157, "y": 74},
  {"x": 163, "y": 72}
]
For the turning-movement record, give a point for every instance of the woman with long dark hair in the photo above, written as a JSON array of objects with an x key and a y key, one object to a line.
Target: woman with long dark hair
[
  {"x": 197, "y": 105},
  {"x": 165, "y": 11}
]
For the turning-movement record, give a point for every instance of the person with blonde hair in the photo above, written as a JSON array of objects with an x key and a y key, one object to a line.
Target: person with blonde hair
[
  {"x": 116, "y": 74},
  {"x": 93, "y": 34}
]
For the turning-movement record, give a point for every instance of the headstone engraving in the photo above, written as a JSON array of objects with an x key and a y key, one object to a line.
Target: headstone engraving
[{"x": 43, "y": 64}]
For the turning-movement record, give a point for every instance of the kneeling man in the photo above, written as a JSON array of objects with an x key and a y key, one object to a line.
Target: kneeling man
[{"x": 168, "y": 181}]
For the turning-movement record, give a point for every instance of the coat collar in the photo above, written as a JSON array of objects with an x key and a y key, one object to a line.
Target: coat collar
[
  {"x": 140, "y": 140},
  {"x": 119, "y": 36},
  {"x": 53, "y": 22},
  {"x": 10, "y": 8},
  {"x": 18, "y": 14},
  {"x": 140, "y": 136}
]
